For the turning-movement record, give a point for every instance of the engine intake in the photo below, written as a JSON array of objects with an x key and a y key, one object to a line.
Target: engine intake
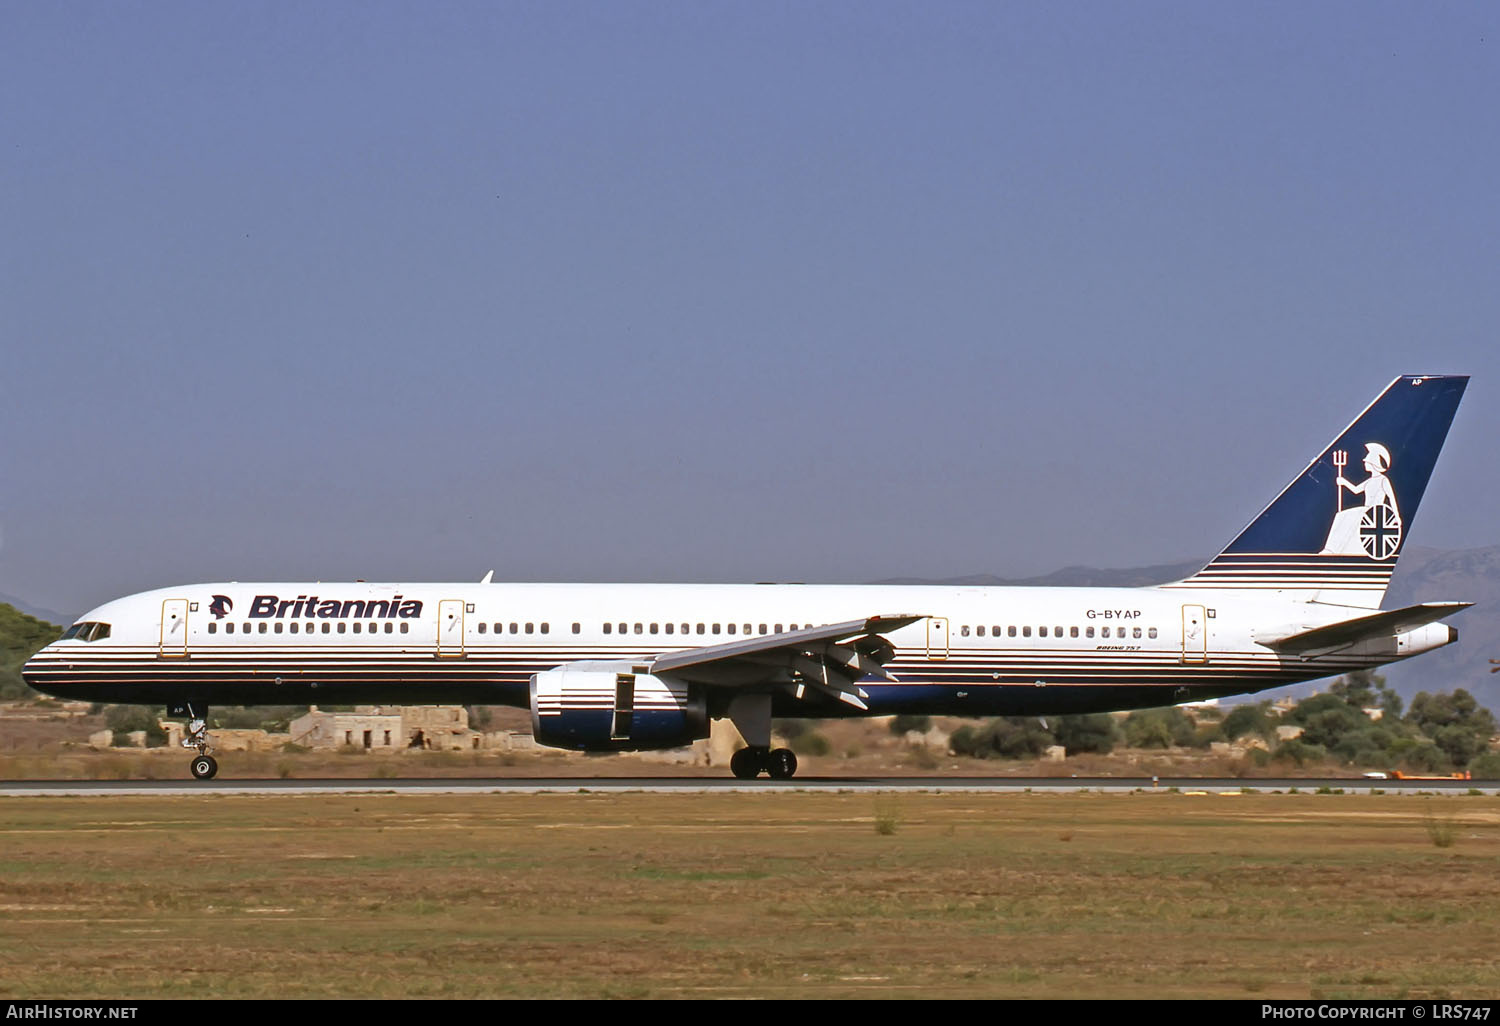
[{"x": 614, "y": 707}]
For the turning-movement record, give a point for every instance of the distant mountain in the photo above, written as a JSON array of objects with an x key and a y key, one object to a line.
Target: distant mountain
[
  {"x": 1072, "y": 577},
  {"x": 1422, "y": 575},
  {"x": 1469, "y": 575},
  {"x": 50, "y": 615}
]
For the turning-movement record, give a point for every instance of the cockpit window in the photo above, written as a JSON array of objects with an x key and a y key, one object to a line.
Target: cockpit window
[{"x": 87, "y": 630}]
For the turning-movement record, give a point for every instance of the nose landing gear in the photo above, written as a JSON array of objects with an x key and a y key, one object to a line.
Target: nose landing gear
[{"x": 204, "y": 766}]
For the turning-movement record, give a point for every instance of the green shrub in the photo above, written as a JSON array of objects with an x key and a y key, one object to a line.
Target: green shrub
[
  {"x": 904, "y": 722},
  {"x": 810, "y": 742},
  {"x": 1299, "y": 752},
  {"x": 1486, "y": 766},
  {"x": 1090, "y": 732},
  {"x": 1159, "y": 728},
  {"x": 1008, "y": 737},
  {"x": 1248, "y": 719}
]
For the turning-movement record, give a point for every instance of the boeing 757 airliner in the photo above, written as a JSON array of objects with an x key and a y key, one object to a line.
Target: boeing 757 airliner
[{"x": 615, "y": 667}]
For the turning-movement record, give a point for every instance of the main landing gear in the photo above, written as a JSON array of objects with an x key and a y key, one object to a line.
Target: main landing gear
[
  {"x": 204, "y": 766},
  {"x": 777, "y": 763}
]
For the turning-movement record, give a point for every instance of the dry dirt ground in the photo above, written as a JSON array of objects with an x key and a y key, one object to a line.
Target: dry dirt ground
[{"x": 797, "y": 895}]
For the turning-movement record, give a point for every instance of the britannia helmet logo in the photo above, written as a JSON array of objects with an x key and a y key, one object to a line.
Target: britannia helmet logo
[
  {"x": 220, "y": 606},
  {"x": 1373, "y": 529}
]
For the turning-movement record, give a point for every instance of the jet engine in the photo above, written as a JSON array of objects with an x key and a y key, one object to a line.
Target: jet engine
[{"x": 614, "y": 707}]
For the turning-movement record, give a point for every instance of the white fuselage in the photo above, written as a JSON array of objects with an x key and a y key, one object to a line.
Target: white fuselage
[{"x": 976, "y": 650}]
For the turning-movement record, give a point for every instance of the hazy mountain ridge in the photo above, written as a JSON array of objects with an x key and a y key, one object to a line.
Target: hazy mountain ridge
[
  {"x": 50, "y": 615},
  {"x": 1467, "y": 575},
  {"x": 1072, "y": 577}
]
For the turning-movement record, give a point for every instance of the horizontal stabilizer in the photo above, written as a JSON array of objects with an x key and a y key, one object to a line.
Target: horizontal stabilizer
[{"x": 1384, "y": 624}]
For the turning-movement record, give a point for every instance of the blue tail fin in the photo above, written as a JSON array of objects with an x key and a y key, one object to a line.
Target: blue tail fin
[{"x": 1335, "y": 532}]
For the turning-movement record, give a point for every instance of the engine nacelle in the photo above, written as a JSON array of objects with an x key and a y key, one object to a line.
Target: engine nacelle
[
  {"x": 614, "y": 707},
  {"x": 1425, "y": 639}
]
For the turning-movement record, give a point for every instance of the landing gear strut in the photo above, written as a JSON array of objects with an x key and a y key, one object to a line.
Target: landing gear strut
[
  {"x": 777, "y": 763},
  {"x": 204, "y": 766}
]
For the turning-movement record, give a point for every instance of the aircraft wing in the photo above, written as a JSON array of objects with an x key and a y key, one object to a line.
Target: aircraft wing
[
  {"x": 828, "y": 660},
  {"x": 1383, "y": 624}
]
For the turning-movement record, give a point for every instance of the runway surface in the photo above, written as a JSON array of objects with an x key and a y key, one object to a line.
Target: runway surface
[{"x": 719, "y": 785}]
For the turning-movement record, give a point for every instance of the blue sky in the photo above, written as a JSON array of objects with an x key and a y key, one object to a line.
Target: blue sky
[{"x": 707, "y": 291}]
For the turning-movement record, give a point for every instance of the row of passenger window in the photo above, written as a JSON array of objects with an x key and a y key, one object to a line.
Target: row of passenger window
[
  {"x": 293, "y": 628},
  {"x": 1058, "y": 632},
  {"x": 702, "y": 628},
  {"x": 641, "y": 628}
]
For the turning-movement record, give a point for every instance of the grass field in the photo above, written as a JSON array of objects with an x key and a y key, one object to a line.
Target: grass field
[{"x": 792, "y": 895}]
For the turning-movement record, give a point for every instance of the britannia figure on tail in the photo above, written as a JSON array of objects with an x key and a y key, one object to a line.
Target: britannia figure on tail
[{"x": 1373, "y": 529}]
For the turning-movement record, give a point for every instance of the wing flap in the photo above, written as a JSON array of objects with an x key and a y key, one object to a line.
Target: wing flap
[{"x": 826, "y": 660}]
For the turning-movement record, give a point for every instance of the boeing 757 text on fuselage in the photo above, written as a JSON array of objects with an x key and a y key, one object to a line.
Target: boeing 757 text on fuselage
[{"x": 617, "y": 667}]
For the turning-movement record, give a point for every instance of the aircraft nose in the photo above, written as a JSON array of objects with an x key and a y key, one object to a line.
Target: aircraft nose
[{"x": 31, "y": 669}]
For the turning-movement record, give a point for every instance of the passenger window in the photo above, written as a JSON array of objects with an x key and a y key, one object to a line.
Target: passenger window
[
  {"x": 1088, "y": 632},
  {"x": 278, "y": 627},
  {"x": 1136, "y": 633},
  {"x": 608, "y": 628},
  {"x": 1041, "y": 632},
  {"x": 716, "y": 628},
  {"x": 1072, "y": 632},
  {"x": 530, "y": 628},
  {"x": 1025, "y": 632},
  {"x": 263, "y": 627},
  {"x": 342, "y": 627},
  {"x": 481, "y": 628},
  {"x": 685, "y": 629},
  {"x": 731, "y": 628},
  {"x": 639, "y": 629},
  {"x": 964, "y": 631},
  {"x": 387, "y": 627},
  {"x": 294, "y": 625},
  {"x": 546, "y": 627},
  {"x": 356, "y": 628},
  {"x": 778, "y": 628},
  {"x": 762, "y": 628},
  {"x": 624, "y": 628},
  {"x": 655, "y": 627},
  {"x": 404, "y": 627},
  {"x": 1151, "y": 633},
  {"x": 213, "y": 628},
  {"x": 327, "y": 627},
  {"x": 979, "y": 630},
  {"x": 1057, "y": 632},
  {"x": 701, "y": 628},
  {"x": 668, "y": 627},
  {"x": 1010, "y": 632},
  {"x": 577, "y": 628}
]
